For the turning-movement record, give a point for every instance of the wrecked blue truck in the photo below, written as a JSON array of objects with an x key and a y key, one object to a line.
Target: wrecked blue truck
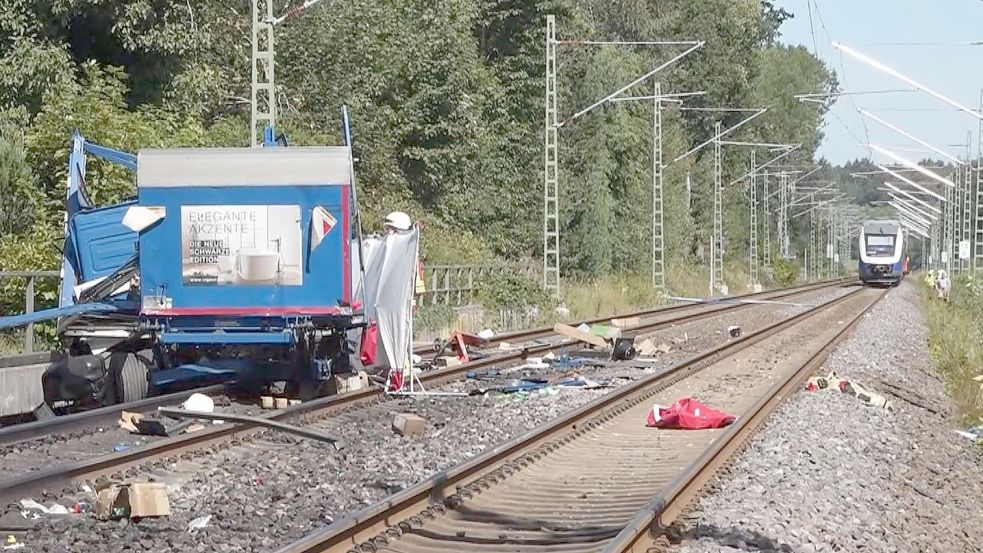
[{"x": 228, "y": 263}]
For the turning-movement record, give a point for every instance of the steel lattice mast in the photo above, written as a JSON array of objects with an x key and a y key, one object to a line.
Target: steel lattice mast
[
  {"x": 658, "y": 218},
  {"x": 766, "y": 220},
  {"x": 717, "y": 253},
  {"x": 551, "y": 214},
  {"x": 753, "y": 238},
  {"x": 263, "y": 83}
]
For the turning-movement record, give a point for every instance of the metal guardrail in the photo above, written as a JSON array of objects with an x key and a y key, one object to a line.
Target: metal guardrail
[
  {"x": 29, "y": 295},
  {"x": 456, "y": 285}
]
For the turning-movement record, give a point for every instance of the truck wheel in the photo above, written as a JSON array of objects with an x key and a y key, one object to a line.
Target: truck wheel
[{"x": 130, "y": 372}]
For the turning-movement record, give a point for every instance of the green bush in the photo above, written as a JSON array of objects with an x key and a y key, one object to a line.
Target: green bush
[
  {"x": 786, "y": 272},
  {"x": 956, "y": 342},
  {"x": 512, "y": 290}
]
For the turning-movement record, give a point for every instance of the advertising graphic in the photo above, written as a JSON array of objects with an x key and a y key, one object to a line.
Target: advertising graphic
[{"x": 241, "y": 245}]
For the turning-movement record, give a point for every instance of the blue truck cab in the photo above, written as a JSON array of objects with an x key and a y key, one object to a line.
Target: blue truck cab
[{"x": 230, "y": 263}]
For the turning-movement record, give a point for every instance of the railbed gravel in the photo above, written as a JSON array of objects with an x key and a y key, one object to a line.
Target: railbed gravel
[
  {"x": 262, "y": 502},
  {"x": 34, "y": 455},
  {"x": 830, "y": 474}
]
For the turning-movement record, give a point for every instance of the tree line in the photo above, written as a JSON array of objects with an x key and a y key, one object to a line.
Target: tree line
[{"x": 447, "y": 100}]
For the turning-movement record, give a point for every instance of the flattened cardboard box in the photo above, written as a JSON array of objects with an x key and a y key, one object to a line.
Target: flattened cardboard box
[{"x": 134, "y": 500}]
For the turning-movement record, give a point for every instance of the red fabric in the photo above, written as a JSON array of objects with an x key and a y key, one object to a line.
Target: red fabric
[
  {"x": 688, "y": 414},
  {"x": 370, "y": 339},
  {"x": 395, "y": 380}
]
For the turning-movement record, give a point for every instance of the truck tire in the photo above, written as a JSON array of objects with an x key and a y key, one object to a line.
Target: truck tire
[{"x": 130, "y": 372}]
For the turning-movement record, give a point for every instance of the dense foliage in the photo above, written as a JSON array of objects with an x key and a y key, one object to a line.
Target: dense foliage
[
  {"x": 956, "y": 342},
  {"x": 447, "y": 100}
]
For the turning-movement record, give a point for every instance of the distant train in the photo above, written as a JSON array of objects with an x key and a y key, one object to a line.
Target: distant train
[{"x": 882, "y": 252}]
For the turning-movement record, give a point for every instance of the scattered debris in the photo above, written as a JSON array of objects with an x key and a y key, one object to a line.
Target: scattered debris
[
  {"x": 578, "y": 334},
  {"x": 54, "y": 509},
  {"x": 486, "y": 334},
  {"x": 58, "y": 509},
  {"x": 11, "y": 543},
  {"x": 200, "y": 403},
  {"x": 229, "y": 417},
  {"x": 459, "y": 342},
  {"x": 834, "y": 382},
  {"x": 120, "y": 447},
  {"x": 688, "y": 414},
  {"x": 280, "y": 402},
  {"x": 603, "y": 331},
  {"x": 127, "y": 420},
  {"x": 151, "y": 426},
  {"x": 408, "y": 424},
  {"x": 266, "y": 402},
  {"x": 133, "y": 500},
  {"x": 626, "y": 322},
  {"x": 342, "y": 384},
  {"x": 974, "y": 433},
  {"x": 535, "y": 363},
  {"x": 647, "y": 348},
  {"x": 624, "y": 349},
  {"x": 447, "y": 361},
  {"x": 734, "y": 331},
  {"x": 199, "y": 523}
]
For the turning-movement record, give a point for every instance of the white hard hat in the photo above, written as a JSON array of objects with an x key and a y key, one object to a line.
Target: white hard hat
[{"x": 399, "y": 221}]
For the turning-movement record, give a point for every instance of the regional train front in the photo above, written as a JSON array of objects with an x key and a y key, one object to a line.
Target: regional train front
[{"x": 881, "y": 252}]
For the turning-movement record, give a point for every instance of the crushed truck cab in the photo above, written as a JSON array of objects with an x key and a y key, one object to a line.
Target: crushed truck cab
[{"x": 231, "y": 263}]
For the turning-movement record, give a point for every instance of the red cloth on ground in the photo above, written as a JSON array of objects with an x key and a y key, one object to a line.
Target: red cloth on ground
[{"x": 688, "y": 414}]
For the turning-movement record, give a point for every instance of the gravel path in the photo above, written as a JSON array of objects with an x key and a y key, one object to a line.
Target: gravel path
[
  {"x": 267, "y": 492},
  {"x": 830, "y": 474}
]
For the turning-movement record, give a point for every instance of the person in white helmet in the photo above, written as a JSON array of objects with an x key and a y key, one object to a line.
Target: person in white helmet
[{"x": 398, "y": 221}]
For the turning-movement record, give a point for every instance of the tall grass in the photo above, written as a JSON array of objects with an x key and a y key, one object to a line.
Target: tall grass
[{"x": 956, "y": 342}]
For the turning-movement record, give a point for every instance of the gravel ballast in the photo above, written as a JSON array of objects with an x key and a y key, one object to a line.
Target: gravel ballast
[
  {"x": 828, "y": 473},
  {"x": 265, "y": 493}
]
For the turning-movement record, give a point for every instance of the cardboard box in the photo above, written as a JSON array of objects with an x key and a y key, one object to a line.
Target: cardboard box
[
  {"x": 626, "y": 322},
  {"x": 408, "y": 424},
  {"x": 266, "y": 402},
  {"x": 281, "y": 402},
  {"x": 342, "y": 384},
  {"x": 133, "y": 500},
  {"x": 448, "y": 361}
]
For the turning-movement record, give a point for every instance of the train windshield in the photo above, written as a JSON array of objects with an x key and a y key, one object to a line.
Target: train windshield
[{"x": 880, "y": 244}]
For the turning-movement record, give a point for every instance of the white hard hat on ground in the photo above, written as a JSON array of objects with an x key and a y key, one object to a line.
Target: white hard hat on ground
[{"x": 399, "y": 221}]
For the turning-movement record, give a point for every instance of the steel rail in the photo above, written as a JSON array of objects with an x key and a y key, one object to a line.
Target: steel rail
[
  {"x": 80, "y": 421},
  {"x": 386, "y": 519},
  {"x": 651, "y": 521},
  {"x": 62, "y": 476}
]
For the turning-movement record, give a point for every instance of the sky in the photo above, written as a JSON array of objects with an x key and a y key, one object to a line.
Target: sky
[{"x": 887, "y": 31}]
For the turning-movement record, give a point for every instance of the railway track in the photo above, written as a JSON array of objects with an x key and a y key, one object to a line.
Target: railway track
[
  {"x": 597, "y": 479},
  {"x": 86, "y": 420},
  {"x": 62, "y": 476}
]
